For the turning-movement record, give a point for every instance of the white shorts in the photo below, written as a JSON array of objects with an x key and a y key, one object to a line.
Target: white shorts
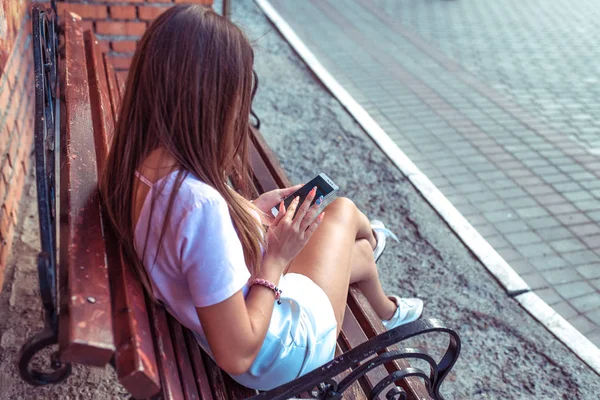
[{"x": 301, "y": 336}]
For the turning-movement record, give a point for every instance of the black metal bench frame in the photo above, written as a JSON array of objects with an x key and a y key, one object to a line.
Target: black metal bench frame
[{"x": 320, "y": 383}]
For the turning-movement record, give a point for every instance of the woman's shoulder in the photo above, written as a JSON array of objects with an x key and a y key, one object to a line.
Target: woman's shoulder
[{"x": 194, "y": 193}]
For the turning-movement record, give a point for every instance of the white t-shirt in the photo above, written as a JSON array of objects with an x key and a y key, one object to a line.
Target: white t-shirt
[{"x": 201, "y": 261}]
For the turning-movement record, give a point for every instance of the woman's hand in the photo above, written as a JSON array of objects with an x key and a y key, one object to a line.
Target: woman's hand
[
  {"x": 266, "y": 201},
  {"x": 288, "y": 235}
]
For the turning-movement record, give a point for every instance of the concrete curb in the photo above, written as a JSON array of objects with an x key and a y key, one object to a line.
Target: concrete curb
[{"x": 495, "y": 264}]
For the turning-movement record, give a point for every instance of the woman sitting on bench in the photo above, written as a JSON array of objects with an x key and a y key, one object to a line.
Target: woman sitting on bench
[{"x": 216, "y": 260}]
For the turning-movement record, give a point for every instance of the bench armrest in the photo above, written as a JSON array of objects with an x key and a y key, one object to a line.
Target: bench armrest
[{"x": 321, "y": 383}]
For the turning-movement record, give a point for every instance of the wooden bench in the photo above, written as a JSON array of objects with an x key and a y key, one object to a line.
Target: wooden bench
[{"x": 105, "y": 316}]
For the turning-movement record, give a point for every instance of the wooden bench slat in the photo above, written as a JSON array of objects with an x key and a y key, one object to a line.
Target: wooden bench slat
[
  {"x": 121, "y": 81},
  {"x": 86, "y": 332},
  {"x": 270, "y": 161},
  {"x": 260, "y": 171},
  {"x": 215, "y": 377},
  {"x": 236, "y": 391},
  {"x": 167, "y": 364},
  {"x": 351, "y": 336},
  {"x": 371, "y": 324},
  {"x": 183, "y": 360},
  {"x": 135, "y": 360},
  {"x": 113, "y": 90},
  {"x": 198, "y": 366},
  {"x": 99, "y": 99},
  {"x": 355, "y": 391}
]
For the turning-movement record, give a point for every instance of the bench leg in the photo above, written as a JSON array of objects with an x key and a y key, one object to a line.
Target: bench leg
[
  {"x": 44, "y": 29},
  {"x": 34, "y": 345}
]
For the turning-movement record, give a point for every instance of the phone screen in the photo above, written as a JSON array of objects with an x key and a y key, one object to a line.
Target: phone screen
[{"x": 323, "y": 189}]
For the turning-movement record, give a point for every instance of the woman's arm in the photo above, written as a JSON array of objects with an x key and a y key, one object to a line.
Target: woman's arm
[{"x": 236, "y": 328}]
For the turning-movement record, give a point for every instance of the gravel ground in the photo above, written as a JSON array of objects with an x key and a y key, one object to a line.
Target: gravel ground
[{"x": 506, "y": 354}]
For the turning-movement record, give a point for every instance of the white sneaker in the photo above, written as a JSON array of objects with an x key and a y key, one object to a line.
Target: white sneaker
[
  {"x": 381, "y": 234},
  {"x": 408, "y": 310}
]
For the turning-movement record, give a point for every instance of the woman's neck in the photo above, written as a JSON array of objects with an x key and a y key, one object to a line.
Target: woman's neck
[{"x": 158, "y": 164}]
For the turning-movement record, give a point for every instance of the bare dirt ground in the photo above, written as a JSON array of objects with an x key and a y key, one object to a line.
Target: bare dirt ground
[{"x": 506, "y": 354}]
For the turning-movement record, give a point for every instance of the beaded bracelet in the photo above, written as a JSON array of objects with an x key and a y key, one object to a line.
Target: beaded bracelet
[{"x": 270, "y": 285}]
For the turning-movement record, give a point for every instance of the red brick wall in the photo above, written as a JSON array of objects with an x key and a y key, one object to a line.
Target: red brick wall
[
  {"x": 11, "y": 15},
  {"x": 16, "y": 133},
  {"x": 118, "y": 24}
]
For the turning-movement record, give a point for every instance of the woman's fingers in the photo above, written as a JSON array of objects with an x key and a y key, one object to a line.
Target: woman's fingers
[
  {"x": 309, "y": 218},
  {"x": 313, "y": 226},
  {"x": 280, "y": 214},
  {"x": 305, "y": 206},
  {"x": 289, "y": 215},
  {"x": 285, "y": 192}
]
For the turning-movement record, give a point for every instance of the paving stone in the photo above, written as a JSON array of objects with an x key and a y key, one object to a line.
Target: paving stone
[
  {"x": 511, "y": 226},
  {"x": 555, "y": 233},
  {"x": 477, "y": 220},
  {"x": 549, "y": 295},
  {"x": 583, "y": 324},
  {"x": 593, "y": 242},
  {"x": 487, "y": 231},
  {"x": 536, "y": 280},
  {"x": 565, "y": 310},
  {"x": 543, "y": 222},
  {"x": 563, "y": 208},
  {"x": 522, "y": 266},
  {"x": 533, "y": 250},
  {"x": 496, "y": 241},
  {"x": 573, "y": 219},
  {"x": 542, "y": 263},
  {"x": 586, "y": 302},
  {"x": 574, "y": 289},
  {"x": 521, "y": 238},
  {"x": 509, "y": 254},
  {"x": 558, "y": 178},
  {"x": 594, "y": 216},
  {"x": 590, "y": 271},
  {"x": 560, "y": 276},
  {"x": 585, "y": 229},
  {"x": 531, "y": 212},
  {"x": 499, "y": 216},
  {"x": 490, "y": 206},
  {"x": 549, "y": 199},
  {"x": 540, "y": 190},
  {"x": 588, "y": 205},
  {"x": 594, "y": 316},
  {"x": 566, "y": 187},
  {"x": 567, "y": 245},
  {"x": 584, "y": 257},
  {"x": 594, "y": 337},
  {"x": 522, "y": 202},
  {"x": 511, "y": 192}
]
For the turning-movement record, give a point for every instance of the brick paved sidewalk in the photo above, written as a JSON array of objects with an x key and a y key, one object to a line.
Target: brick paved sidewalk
[{"x": 527, "y": 185}]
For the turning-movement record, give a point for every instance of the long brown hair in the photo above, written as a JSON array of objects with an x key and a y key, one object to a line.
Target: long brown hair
[{"x": 189, "y": 91}]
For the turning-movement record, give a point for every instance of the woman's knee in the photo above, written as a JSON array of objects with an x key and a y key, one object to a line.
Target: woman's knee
[{"x": 342, "y": 209}]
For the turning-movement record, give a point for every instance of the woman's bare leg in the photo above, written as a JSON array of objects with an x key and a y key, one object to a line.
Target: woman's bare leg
[
  {"x": 336, "y": 255},
  {"x": 364, "y": 274}
]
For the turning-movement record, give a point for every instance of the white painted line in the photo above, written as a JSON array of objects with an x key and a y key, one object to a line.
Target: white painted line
[
  {"x": 556, "y": 324},
  {"x": 486, "y": 254}
]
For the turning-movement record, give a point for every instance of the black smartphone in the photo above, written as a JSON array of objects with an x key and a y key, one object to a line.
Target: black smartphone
[{"x": 325, "y": 187}]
